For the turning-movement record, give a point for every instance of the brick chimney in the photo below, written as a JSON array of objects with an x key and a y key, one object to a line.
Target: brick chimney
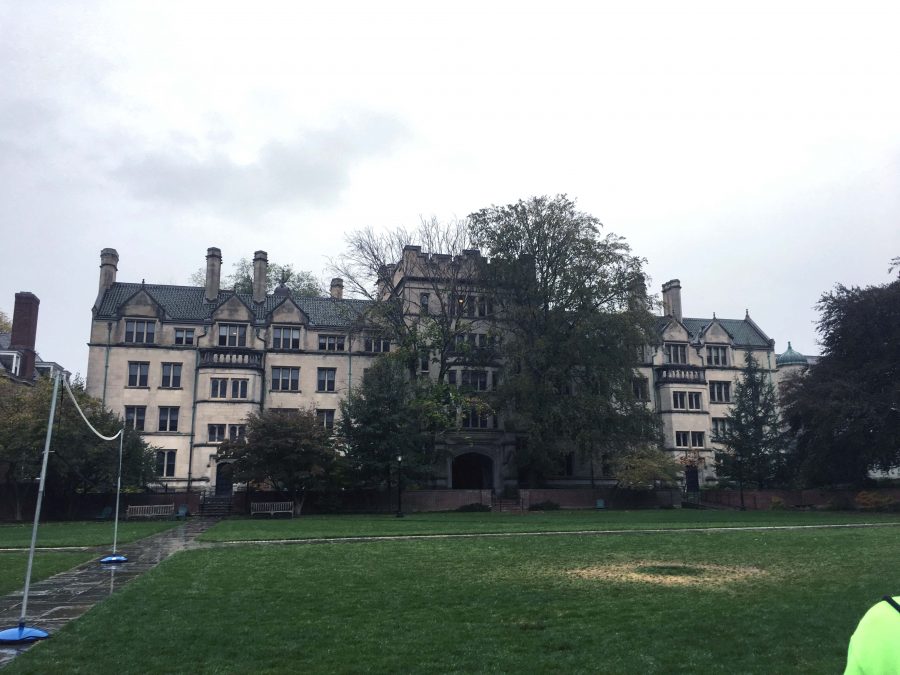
[
  {"x": 260, "y": 269},
  {"x": 109, "y": 261},
  {"x": 337, "y": 288},
  {"x": 24, "y": 331},
  {"x": 213, "y": 273},
  {"x": 672, "y": 298}
]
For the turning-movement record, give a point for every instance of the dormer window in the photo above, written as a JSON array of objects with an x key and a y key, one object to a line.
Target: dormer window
[
  {"x": 286, "y": 338},
  {"x": 376, "y": 344},
  {"x": 232, "y": 335},
  {"x": 331, "y": 343},
  {"x": 717, "y": 356},
  {"x": 676, "y": 353},
  {"x": 139, "y": 331}
]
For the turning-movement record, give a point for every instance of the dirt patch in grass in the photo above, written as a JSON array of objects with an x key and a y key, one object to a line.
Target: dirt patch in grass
[{"x": 670, "y": 573}]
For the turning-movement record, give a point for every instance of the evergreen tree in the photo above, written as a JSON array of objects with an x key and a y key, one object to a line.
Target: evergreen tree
[{"x": 753, "y": 438}]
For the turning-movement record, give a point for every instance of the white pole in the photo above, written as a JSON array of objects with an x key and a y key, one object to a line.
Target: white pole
[
  {"x": 118, "y": 491},
  {"x": 37, "y": 509}
]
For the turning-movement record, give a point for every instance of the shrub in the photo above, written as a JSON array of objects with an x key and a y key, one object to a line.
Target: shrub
[
  {"x": 475, "y": 506},
  {"x": 544, "y": 506},
  {"x": 874, "y": 501}
]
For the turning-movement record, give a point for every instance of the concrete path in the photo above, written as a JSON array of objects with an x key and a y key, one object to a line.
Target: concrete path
[{"x": 54, "y": 602}]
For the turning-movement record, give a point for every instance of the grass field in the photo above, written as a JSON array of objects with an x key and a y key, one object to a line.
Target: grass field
[
  {"x": 78, "y": 533},
  {"x": 690, "y": 602},
  {"x": 46, "y": 564},
  {"x": 306, "y": 527}
]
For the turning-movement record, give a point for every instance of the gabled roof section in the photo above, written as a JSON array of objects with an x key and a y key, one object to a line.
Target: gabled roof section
[
  {"x": 744, "y": 332},
  {"x": 187, "y": 304}
]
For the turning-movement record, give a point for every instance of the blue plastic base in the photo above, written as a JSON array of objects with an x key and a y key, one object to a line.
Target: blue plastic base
[
  {"x": 22, "y": 634},
  {"x": 113, "y": 559}
]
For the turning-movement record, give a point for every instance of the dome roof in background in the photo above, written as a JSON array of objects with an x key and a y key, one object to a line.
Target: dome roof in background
[{"x": 791, "y": 358}]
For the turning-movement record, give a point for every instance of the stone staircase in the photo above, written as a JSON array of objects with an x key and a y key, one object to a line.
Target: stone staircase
[
  {"x": 500, "y": 505},
  {"x": 215, "y": 507}
]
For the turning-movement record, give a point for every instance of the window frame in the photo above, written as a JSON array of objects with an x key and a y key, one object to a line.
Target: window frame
[
  {"x": 186, "y": 338},
  {"x": 332, "y": 342},
  {"x": 142, "y": 375},
  {"x": 216, "y": 437},
  {"x": 720, "y": 360},
  {"x": 218, "y": 387},
  {"x": 326, "y": 417},
  {"x": 679, "y": 400},
  {"x": 293, "y": 383},
  {"x": 676, "y": 347},
  {"x": 138, "y": 415},
  {"x": 165, "y": 463},
  {"x": 225, "y": 335},
  {"x": 293, "y": 338},
  {"x": 174, "y": 376},
  {"x": 694, "y": 397},
  {"x": 147, "y": 332},
  {"x": 686, "y": 435},
  {"x": 171, "y": 421},
  {"x": 717, "y": 388},
  {"x": 326, "y": 381},
  {"x": 242, "y": 386}
]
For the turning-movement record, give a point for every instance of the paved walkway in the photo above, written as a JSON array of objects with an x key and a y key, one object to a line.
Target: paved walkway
[{"x": 54, "y": 602}]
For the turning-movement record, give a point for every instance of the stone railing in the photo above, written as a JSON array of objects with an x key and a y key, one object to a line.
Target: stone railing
[
  {"x": 680, "y": 374},
  {"x": 231, "y": 358}
]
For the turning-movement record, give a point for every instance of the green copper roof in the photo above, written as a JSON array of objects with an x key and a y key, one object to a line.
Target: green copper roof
[
  {"x": 791, "y": 358},
  {"x": 744, "y": 332}
]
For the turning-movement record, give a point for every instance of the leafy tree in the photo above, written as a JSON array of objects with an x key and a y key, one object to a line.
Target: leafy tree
[
  {"x": 5, "y": 322},
  {"x": 388, "y": 416},
  {"x": 573, "y": 312},
  {"x": 844, "y": 413},
  {"x": 644, "y": 466},
  {"x": 300, "y": 282},
  {"x": 753, "y": 437},
  {"x": 287, "y": 450}
]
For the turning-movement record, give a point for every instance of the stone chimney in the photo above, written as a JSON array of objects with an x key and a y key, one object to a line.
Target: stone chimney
[
  {"x": 337, "y": 288},
  {"x": 109, "y": 261},
  {"x": 672, "y": 298},
  {"x": 213, "y": 273},
  {"x": 260, "y": 270},
  {"x": 637, "y": 293},
  {"x": 24, "y": 329}
]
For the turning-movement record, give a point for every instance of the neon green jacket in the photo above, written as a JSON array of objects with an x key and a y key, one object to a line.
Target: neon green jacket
[{"x": 875, "y": 646}]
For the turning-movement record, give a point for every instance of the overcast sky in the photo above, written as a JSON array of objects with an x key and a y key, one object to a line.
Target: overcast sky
[{"x": 754, "y": 155}]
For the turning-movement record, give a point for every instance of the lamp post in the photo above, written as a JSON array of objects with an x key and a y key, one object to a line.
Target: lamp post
[{"x": 399, "y": 486}]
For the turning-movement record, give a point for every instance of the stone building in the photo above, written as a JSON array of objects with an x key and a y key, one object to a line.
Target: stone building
[{"x": 18, "y": 359}]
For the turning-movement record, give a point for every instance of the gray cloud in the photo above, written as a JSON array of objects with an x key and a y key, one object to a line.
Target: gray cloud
[{"x": 310, "y": 169}]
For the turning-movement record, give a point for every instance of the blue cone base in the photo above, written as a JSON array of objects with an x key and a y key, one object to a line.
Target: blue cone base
[
  {"x": 113, "y": 559},
  {"x": 22, "y": 634}
]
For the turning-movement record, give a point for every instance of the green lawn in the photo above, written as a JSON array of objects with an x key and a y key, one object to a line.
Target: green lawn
[
  {"x": 306, "y": 527},
  {"x": 46, "y": 564},
  {"x": 777, "y": 602},
  {"x": 78, "y": 533}
]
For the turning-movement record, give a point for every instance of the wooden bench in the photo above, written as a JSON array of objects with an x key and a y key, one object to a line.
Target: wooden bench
[
  {"x": 151, "y": 511},
  {"x": 271, "y": 508}
]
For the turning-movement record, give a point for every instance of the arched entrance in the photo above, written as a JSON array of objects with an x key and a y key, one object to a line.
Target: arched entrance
[
  {"x": 473, "y": 471},
  {"x": 224, "y": 479}
]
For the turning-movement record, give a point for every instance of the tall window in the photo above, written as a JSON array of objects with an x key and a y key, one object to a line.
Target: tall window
[
  {"x": 424, "y": 362},
  {"x": 232, "y": 335},
  {"x": 218, "y": 387},
  {"x": 239, "y": 389},
  {"x": 682, "y": 438},
  {"x": 139, "y": 331},
  {"x": 485, "y": 306},
  {"x": 237, "y": 432},
  {"x": 184, "y": 336},
  {"x": 216, "y": 432},
  {"x": 472, "y": 419},
  {"x": 717, "y": 356},
  {"x": 697, "y": 439},
  {"x": 326, "y": 418},
  {"x": 720, "y": 392},
  {"x": 137, "y": 373},
  {"x": 331, "y": 343},
  {"x": 325, "y": 381},
  {"x": 678, "y": 400},
  {"x": 477, "y": 379},
  {"x": 376, "y": 344},
  {"x": 719, "y": 427},
  {"x": 695, "y": 401},
  {"x": 134, "y": 416},
  {"x": 285, "y": 379},
  {"x": 285, "y": 338},
  {"x": 424, "y": 300},
  {"x": 168, "y": 418},
  {"x": 640, "y": 388},
  {"x": 171, "y": 375},
  {"x": 165, "y": 463},
  {"x": 676, "y": 353}
]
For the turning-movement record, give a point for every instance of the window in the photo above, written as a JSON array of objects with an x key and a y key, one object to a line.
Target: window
[
  {"x": 216, "y": 432},
  {"x": 331, "y": 343},
  {"x": 325, "y": 381},
  {"x": 472, "y": 419},
  {"x": 676, "y": 353},
  {"x": 239, "y": 389},
  {"x": 641, "y": 389},
  {"x": 326, "y": 417},
  {"x": 719, "y": 392},
  {"x": 424, "y": 300},
  {"x": 165, "y": 463},
  {"x": 695, "y": 400},
  {"x": 171, "y": 375},
  {"x": 137, "y": 373},
  {"x": 477, "y": 379},
  {"x": 237, "y": 432},
  {"x": 285, "y": 338},
  {"x": 168, "y": 419},
  {"x": 717, "y": 356},
  {"x": 424, "y": 362},
  {"x": 140, "y": 332},
  {"x": 134, "y": 416},
  {"x": 232, "y": 335},
  {"x": 218, "y": 387},
  {"x": 681, "y": 439},
  {"x": 285, "y": 379},
  {"x": 184, "y": 336},
  {"x": 678, "y": 400},
  {"x": 376, "y": 344},
  {"x": 485, "y": 306},
  {"x": 451, "y": 378},
  {"x": 720, "y": 426},
  {"x": 697, "y": 439}
]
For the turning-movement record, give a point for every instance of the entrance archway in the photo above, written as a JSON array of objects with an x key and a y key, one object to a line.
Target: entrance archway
[
  {"x": 224, "y": 479},
  {"x": 473, "y": 471}
]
